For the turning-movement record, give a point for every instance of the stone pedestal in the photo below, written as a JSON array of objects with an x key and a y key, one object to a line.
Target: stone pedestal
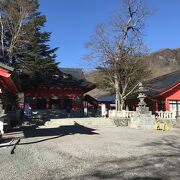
[
  {"x": 142, "y": 121},
  {"x": 178, "y": 121},
  {"x": 142, "y": 118}
]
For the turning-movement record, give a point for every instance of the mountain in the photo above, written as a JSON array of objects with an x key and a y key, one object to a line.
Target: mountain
[
  {"x": 160, "y": 62},
  {"x": 164, "y": 61}
]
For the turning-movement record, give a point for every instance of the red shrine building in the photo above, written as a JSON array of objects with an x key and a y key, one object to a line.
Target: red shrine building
[
  {"x": 7, "y": 82},
  {"x": 7, "y": 78},
  {"x": 63, "y": 93},
  {"x": 163, "y": 94}
]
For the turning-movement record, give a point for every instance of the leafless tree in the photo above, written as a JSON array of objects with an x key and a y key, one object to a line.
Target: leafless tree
[{"x": 117, "y": 48}]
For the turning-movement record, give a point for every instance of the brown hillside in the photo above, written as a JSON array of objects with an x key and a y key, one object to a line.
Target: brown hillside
[
  {"x": 160, "y": 62},
  {"x": 164, "y": 61}
]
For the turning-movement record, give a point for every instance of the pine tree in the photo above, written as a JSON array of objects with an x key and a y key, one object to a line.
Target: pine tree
[
  {"x": 23, "y": 44},
  {"x": 38, "y": 55}
]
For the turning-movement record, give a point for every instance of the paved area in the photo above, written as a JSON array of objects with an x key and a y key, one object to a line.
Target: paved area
[{"x": 76, "y": 152}]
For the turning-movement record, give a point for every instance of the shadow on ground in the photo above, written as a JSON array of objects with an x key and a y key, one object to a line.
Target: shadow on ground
[
  {"x": 162, "y": 164},
  {"x": 32, "y": 131}
]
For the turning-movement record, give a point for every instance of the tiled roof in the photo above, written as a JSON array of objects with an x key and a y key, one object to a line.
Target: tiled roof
[
  {"x": 70, "y": 77},
  {"x": 155, "y": 86},
  {"x": 74, "y": 72},
  {"x": 163, "y": 83},
  {"x": 11, "y": 83},
  {"x": 110, "y": 98},
  {"x": 4, "y": 66}
]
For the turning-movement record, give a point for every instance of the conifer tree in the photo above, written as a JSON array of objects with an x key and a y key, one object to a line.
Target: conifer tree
[{"x": 23, "y": 43}]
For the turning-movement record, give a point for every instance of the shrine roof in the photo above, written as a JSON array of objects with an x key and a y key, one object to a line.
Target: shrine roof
[
  {"x": 6, "y": 67},
  {"x": 108, "y": 98},
  {"x": 70, "y": 77},
  {"x": 8, "y": 78},
  {"x": 77, "y": 73},
  {"x": 163, "y": 83},
  {"x": 154, "y": 87}
]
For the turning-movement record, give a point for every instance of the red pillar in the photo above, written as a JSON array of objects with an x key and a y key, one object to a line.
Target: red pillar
[
  {"x": 82, "y": 105},
  {"x": 156, "y": 107},
  {"x": 167, "y": 105},
  {"x": 73, "y": 104},
  {"x": 59, "y": 103},
  {"x": 62, "y": 102},
  {"x": 35, "y": 103},
  {"x": 47, "y": 103}
]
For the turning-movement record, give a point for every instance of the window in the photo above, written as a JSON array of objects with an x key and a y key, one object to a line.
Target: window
[{"x": 175, "y": 106}]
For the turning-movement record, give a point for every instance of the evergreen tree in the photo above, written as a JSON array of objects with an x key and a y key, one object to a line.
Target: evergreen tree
[{"x": 23, "y": 44}]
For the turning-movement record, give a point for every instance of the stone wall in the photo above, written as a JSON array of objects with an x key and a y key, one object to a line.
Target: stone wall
[{"x": 145, "y": 121}]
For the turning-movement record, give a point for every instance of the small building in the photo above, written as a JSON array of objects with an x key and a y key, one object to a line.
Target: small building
[
  {"x": 61, "y": 94},
  {"x": 7, "y": 78},
  {"x": 108, "y": 100},
  {"x": 163, "y": 94},
  {"x": 9, "y": 83}
]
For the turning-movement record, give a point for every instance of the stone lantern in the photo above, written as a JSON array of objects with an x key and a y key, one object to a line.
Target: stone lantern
[
  {"x": 142, "y": 118},
  {"x": 142, "y": 108}
]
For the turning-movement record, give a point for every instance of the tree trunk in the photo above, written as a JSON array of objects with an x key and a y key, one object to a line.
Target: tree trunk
[
  {"x": 118, "y": 99},
  {"x": 121, "y": 104}
]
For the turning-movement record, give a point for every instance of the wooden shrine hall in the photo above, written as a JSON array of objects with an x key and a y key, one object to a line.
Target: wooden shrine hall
[{"x": 62, "y": 92}]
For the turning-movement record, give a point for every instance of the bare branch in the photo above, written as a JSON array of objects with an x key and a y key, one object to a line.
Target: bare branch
[
  {"x": 2, "y": 37},
  {"x": 118, "y": 46}
]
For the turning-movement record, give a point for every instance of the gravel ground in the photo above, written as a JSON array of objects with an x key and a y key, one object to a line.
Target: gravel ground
[{"x": 84, "y": 153}]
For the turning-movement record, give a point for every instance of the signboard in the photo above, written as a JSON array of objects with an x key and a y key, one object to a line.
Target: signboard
[{"x": 103, "y": 110}]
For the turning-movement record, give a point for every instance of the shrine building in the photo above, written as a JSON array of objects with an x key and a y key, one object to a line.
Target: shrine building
[
  {"x": 9, "y": 83},
  {"x": 7, "y": 79},
  {"x": 63, "y": 93},
  {"x": 163, "y": 94}
]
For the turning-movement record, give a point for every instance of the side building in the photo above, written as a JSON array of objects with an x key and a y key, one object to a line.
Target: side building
[
  {"x": 9, "y": 83},
  {"x": 163, "y": 94}
]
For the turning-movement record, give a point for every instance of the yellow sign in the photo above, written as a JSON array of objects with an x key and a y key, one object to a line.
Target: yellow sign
[{"x": 162, "y": 126}]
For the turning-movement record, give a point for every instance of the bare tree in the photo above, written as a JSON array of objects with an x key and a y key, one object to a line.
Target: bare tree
[{"x": 117, "y": 47}]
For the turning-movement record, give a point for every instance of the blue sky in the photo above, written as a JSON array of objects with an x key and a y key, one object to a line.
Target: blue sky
[{"x": 73, "y": 21}]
